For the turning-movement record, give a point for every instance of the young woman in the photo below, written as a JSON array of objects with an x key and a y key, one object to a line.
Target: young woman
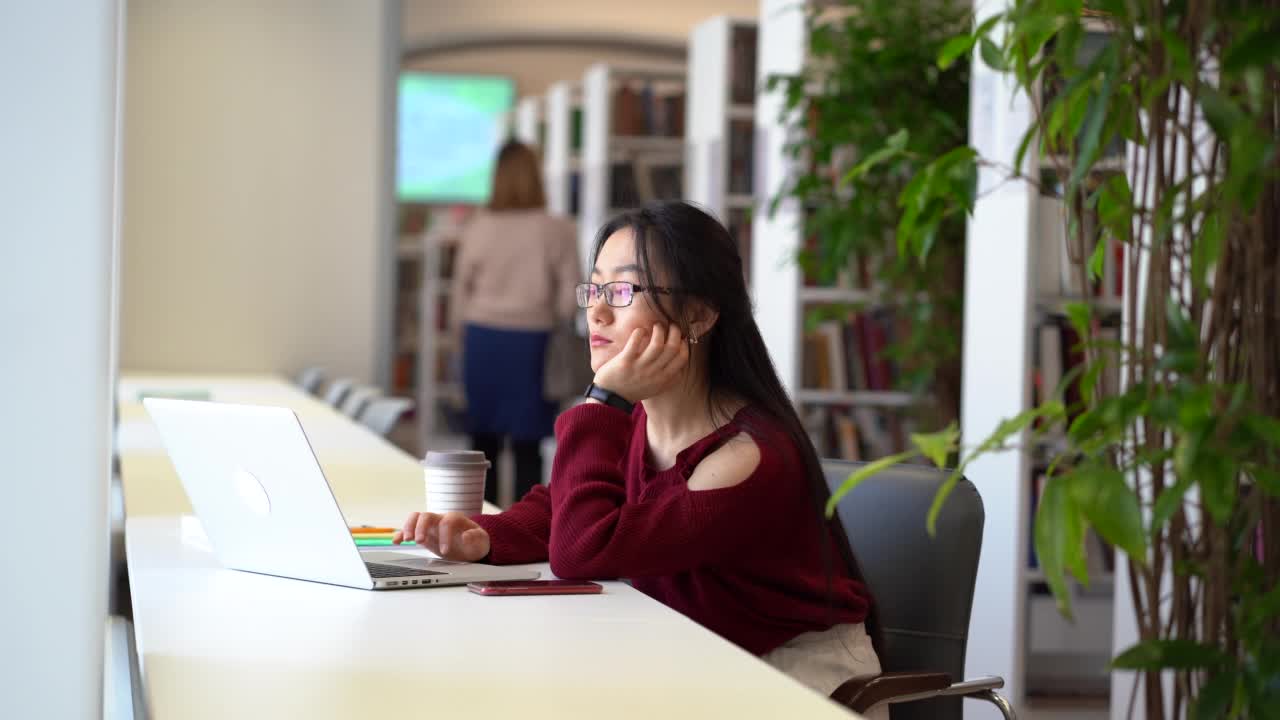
[
  {"x": 513, "y": 281},
  {"x": 707, "y": 495}
]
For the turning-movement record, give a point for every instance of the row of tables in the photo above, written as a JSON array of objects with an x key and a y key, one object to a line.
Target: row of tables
[{"x": 216, "y": 643}]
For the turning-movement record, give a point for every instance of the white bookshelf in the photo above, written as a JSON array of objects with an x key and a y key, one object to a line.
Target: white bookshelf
[
  {"x": 850, "y": 407},
  {"x": 439, "y": 386},
  {"x": 719, "y": 162},
  {"x": 1015, "y": 290},
  {"x": 527, "y": 114},
  {"x": 559, "y": 158},
  {"x": 605, "y": 144}
]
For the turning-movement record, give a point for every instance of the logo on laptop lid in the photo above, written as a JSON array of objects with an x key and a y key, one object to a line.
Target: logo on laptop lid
[{"x": 251, "y": 492}]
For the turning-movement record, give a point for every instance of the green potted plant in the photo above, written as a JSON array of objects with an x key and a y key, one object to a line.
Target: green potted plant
[
  {"x": 1179, "y": 467},
  {"x": 859, "y": 54}
]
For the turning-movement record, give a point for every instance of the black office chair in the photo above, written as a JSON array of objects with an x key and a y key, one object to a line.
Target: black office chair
[
  {"x": 923, "y": 588},
  {"x": 382, "y": 413},
  {"x": 310, "y": 379}
]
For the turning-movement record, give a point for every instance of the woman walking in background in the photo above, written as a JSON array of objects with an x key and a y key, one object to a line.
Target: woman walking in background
[{"x": 513, "y": 282}]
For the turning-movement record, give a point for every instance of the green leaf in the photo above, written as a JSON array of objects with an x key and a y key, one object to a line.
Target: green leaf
[
  {"x": 1217, "y": 478},
  {"x": 1258, "y": 48},
  {"x": 1221, "y": 112},
  {"x": 1172, "y": 654},
  {"x": 1266, "y": 428},
  {"x": 1080, "y": 315},
  {"x": 1168, "y": 503},
  {"x": 954, "y": 48},
  {"x": 1095, "y": 120},
  {"x": 938, "y": 446},
  {"x": 1178, "y": 55},
  {"x": 1182, "y": 336},
  {"x": 863, "y": 473},
  {"x": 893, "y": 147},
  {"x": 1111, "y": 507},
  {"x": 1267, "y": 479},
  {"x": 1215, "y": 697},
  {"x": 1206, "y": 250},
  {"x": 1095, "y": 260},
  {"x": 1059, "y": 539},
  {"x": 991, "y": 55}
]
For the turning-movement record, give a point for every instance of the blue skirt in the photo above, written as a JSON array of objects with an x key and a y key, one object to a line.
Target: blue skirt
[{"x": 502, "y": 378}]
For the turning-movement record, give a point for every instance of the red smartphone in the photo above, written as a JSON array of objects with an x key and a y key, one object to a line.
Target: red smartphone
[{"x": 535, "y": 587}]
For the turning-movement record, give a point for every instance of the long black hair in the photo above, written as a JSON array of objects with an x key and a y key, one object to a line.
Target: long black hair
[{"x": 699, "y": 256}]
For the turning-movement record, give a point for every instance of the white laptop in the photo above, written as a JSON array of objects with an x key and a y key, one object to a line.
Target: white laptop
[{"x": 266, "y": 506}]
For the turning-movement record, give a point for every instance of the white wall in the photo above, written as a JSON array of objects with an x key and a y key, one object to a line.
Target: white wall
[
  {"x": 258, "y": 207},
  {"x": 58, "y": 144}
]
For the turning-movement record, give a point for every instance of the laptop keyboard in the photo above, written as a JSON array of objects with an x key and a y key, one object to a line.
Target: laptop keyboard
[{"x": 383, "y": 570}]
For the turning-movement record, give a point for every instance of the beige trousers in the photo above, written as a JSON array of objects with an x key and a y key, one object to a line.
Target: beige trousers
[{"x": 825, "y": 660}]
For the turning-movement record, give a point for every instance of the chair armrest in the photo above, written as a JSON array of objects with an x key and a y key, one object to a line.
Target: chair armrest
[{"x": 862, "y": 693}]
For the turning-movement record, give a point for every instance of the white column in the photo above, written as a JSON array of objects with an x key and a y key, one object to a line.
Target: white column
[
  {"x": 59, "y": 199},
  {"x": 555, "y": 154},
  {"x": 526, "y": 130},
  {"x": 775, "y": 276},
  {"x": 596, "y": 126},
  {"x": 706, "y": 114},
  {"x": 996, "y": 377}
]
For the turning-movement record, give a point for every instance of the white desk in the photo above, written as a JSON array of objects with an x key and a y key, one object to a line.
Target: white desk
[{"x": 215, "y": 643}]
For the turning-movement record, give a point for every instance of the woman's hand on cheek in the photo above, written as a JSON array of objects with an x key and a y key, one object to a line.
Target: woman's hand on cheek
[{"x": 650, "y": 362}]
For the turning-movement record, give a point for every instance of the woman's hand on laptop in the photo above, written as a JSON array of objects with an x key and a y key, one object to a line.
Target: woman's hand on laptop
[{"x": 452, "y": 536}]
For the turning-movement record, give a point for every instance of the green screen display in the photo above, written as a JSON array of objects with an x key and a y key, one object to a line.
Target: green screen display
[{"x": 449, "y": 132}]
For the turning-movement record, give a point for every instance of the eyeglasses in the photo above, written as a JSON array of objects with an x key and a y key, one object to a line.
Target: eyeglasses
[{"x": 616, "y": 294}]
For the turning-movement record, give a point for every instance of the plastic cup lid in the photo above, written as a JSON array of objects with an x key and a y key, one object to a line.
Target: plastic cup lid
[{"x": 455, "y": 459}]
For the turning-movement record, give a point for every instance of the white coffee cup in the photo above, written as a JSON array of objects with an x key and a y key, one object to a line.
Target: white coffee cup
[{"x": 454, "y": 481}]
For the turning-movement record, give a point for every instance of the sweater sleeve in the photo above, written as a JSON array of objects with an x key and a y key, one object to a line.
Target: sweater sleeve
[
  {"x": 597, "y": 533},
  {"x": 520, "y": 534}
]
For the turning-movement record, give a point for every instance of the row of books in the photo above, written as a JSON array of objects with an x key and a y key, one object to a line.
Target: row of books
[
  {"x": 849, "y": 355},
  {"x": 640, "y": 181},
  {"x": 742, "y": 143},
  {"x": 855, "y": 433},
  {"x": 739, "y": 221},
  {"x": 1056, "y": 274},
  {"x": 644, "y": 112},
  {"x": 742, "y": 65},
  {"x": 1058, "y": 348}
]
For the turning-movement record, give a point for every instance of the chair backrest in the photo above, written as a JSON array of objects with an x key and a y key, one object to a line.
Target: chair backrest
[
  {"x": 382, "y": 413},
  {"x": 923, "y": 585},
  {"x": 310, "y": 379},
  {"x": 337, "y": 390},
  {"x": 356, "y": 400}
]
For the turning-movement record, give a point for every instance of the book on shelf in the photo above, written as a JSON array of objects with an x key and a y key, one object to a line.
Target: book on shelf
[
  {"x": 646, "y": 111},
  {"x": 644, "y": 179},
  {"x": 853, "y": 432},
  {"x": 742, "y": 65},
  {"x": 740, "y": 229},
  {"x": 850, "y": 354},
  {"x": 1055, "y": 274},
  {"x": 741, "y": 157}
]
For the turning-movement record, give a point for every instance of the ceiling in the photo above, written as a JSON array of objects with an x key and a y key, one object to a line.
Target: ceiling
[{"x": 429, "y": 24}]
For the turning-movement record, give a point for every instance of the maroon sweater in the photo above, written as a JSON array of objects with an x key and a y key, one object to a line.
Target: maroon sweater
[{"x": 744, "y": 561}]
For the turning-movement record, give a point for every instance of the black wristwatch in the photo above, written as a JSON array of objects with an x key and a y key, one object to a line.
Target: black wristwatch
[{"x": 609, "y": 397}]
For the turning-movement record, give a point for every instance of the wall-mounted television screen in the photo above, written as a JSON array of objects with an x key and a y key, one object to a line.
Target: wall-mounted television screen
[{"x": 449, "y": 130}]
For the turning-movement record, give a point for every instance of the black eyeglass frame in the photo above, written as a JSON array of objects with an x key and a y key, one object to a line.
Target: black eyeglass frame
[{"x": 606, "y": 294}]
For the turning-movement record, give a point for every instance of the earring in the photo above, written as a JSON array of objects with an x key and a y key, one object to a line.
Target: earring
[{"x": 693, "y": 339}]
